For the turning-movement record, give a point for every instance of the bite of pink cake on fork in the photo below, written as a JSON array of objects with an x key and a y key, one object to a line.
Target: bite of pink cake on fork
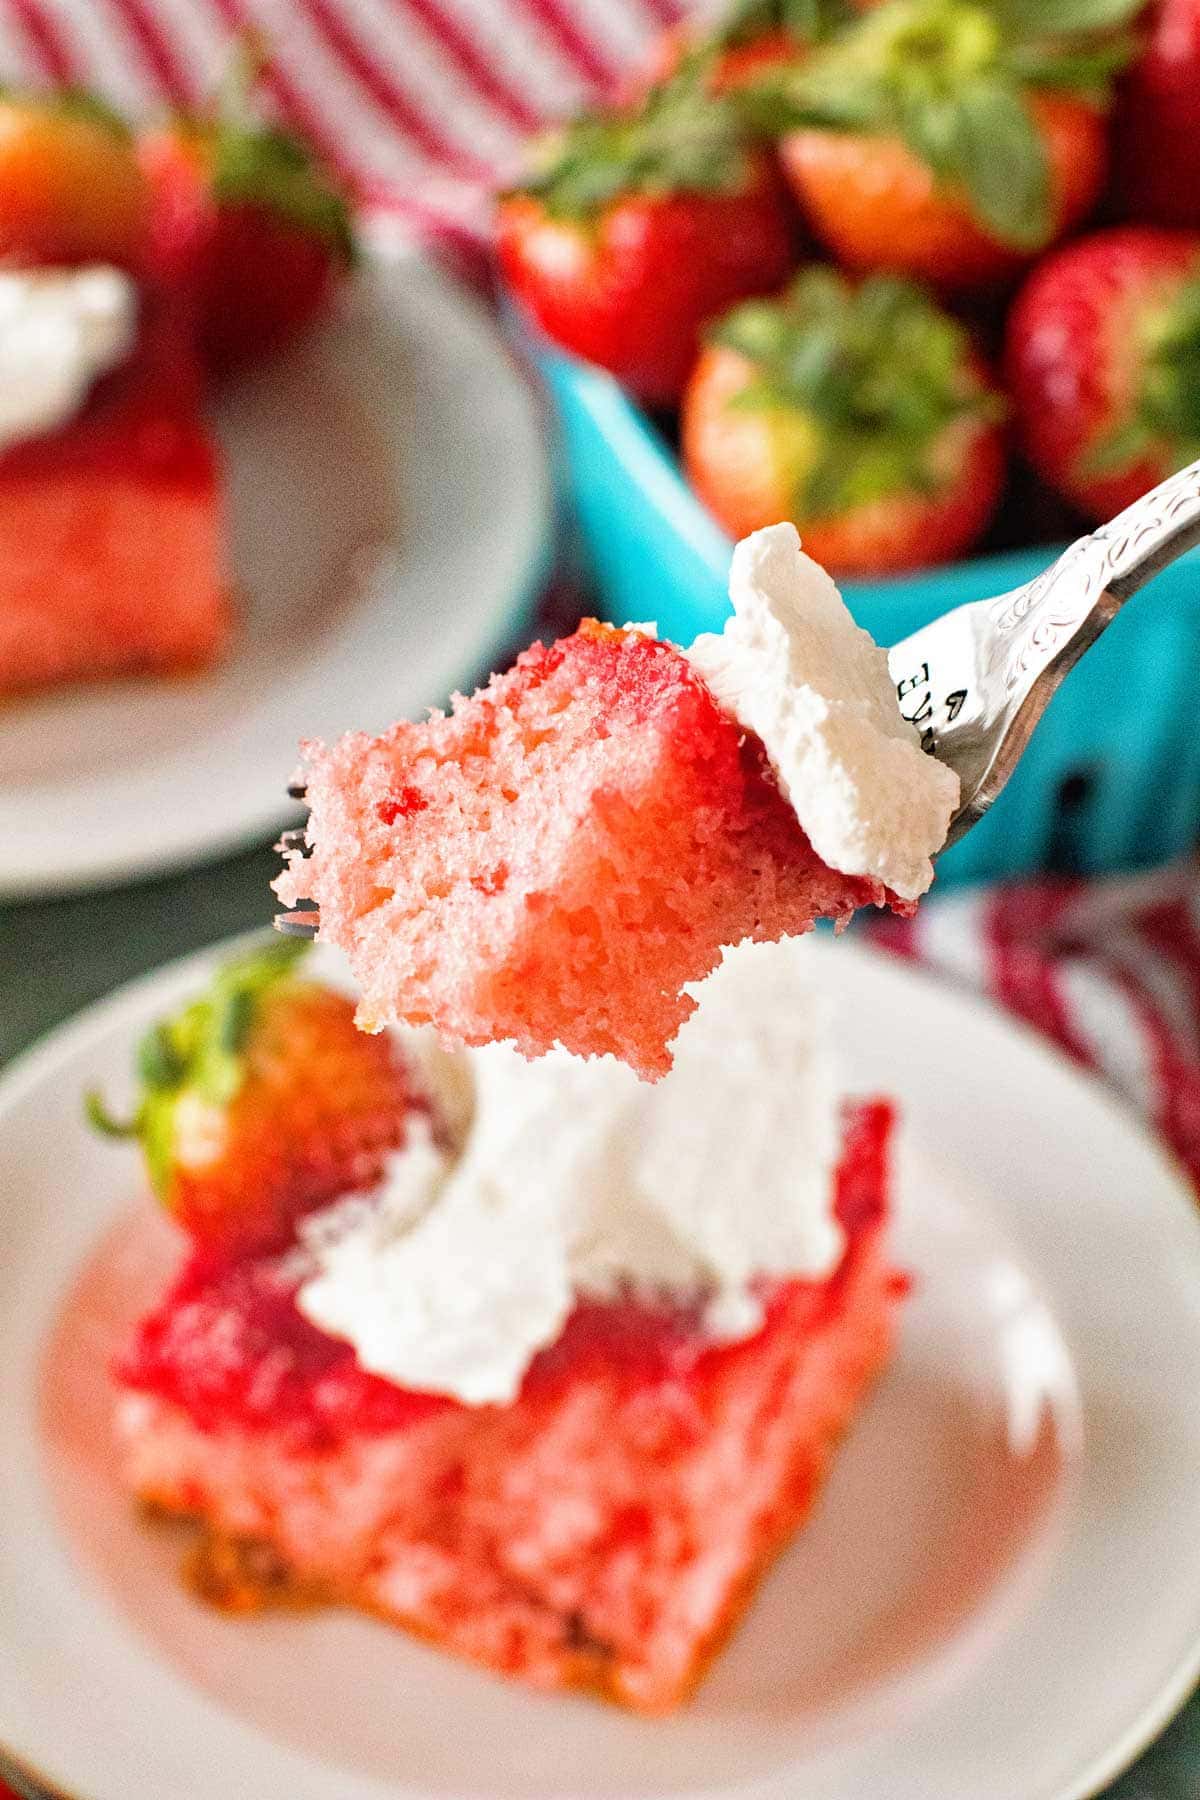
[{"x": 556, "y": 857}]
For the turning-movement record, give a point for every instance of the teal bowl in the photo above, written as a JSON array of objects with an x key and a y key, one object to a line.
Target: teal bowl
[{"x": 1111, "y": 778}]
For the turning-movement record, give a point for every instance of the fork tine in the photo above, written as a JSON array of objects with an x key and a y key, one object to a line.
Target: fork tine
[
  {"x": 297, "y": 790},
  {"x": 303, "y": 924}
]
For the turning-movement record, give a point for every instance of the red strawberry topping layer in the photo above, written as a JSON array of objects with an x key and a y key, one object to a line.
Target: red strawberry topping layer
[{"x": 229, "y": 1346}]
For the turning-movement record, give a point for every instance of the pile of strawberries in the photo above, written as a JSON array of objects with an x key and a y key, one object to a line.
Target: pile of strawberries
[
  {"x": 230, "y": 217},
  {"x": 891, "y": 259}
]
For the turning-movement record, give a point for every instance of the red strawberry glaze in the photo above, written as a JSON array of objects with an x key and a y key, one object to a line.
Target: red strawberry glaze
[{"x": 229, "y": 1345}]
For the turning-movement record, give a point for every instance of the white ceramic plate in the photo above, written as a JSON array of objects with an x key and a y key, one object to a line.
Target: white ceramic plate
[
  {"x": 999, "y": 1596},
  {"x": 389, "y": 511}
]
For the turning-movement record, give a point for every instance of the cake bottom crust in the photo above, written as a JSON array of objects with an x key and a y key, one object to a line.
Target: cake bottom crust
[{"x": 605, "y": 1537}]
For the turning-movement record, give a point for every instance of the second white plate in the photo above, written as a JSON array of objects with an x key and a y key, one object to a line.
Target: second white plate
[
  {"x": 389, "y": 506},
  {"x": 998, "y": 1597}
]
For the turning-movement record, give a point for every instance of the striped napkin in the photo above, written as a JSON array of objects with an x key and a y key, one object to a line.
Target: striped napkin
[
  {"x": 1109, "y": 970},
  {"x": 423, "y": 105}
]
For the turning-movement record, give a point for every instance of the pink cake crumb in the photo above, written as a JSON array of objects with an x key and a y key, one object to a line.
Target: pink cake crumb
[{"x": 553, "y": 860}]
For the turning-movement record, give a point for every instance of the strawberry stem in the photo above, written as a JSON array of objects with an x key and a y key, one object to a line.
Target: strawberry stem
[
  {"x": 879, "y": 370},
  {"x": 101, "y": 1120},
  {"x": 682, "y": 139}
]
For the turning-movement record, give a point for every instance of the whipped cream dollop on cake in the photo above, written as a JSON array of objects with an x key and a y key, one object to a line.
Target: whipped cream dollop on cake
[
  {"x": 569, "y": 1177},
  {"x": 60, "y": 330},
  {"x": 793, "y": 667}
]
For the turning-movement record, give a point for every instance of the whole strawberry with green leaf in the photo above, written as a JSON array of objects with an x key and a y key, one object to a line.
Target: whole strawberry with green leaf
[
  {"x": 249, "y": 224},
  {"x": 951, "y": 139},
  {"x": 635, "y": 228},
  {"x": 261, "y": 1100},
  {"x": 860, "y": 413},
  {"x": 1103, "y": 364}
]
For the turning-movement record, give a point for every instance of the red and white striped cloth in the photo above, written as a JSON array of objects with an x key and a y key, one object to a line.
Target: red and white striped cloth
[
  {"x": 1109, "y": 970},
  {"x": 423, "y": 104}
]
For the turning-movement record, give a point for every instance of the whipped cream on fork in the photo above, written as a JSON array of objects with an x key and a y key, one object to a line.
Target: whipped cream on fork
[{"x": 793, "y": 667}]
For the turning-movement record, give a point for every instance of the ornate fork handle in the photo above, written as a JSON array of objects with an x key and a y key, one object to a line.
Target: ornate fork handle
[
  {"x": 1046, "y": 626},
  {"x": 976, "y": 681}
]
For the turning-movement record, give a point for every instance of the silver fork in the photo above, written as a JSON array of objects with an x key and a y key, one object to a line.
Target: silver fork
[{"x": 976, "y": 681}]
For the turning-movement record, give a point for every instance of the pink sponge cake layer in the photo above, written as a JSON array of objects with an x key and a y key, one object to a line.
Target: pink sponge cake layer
[
  {"x": 112, "y": 530},
  {"x": 558, "y": 856},
  {"x": 604, "y": 1531}
]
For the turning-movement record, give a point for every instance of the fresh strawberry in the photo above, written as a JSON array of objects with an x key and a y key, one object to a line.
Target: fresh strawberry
[
  {"x": 1157, "y": 150},
  {"x": 877, "y": 205},
  {"x": 946, "y": 139},
  {"x": 250, "y": 226},
  {"x": 71, "y": 190},
  {"x": 1103, "y": 362},
  {"x": 260, "y": 1101},
  {"x": 638, "y": 228},
  {"x": 861, "y": 414}
]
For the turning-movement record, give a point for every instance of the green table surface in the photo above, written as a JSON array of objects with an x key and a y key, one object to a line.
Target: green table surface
[{"x": 59, "y": 955}]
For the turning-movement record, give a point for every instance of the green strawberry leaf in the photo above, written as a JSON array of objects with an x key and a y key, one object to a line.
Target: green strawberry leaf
[
  {"x": 953, "y": 78},
  {"x": 808, "y": 21},
  {"x": 1088, "y": 70},
  {"x": 200, "y": 1050},
  {"x": 820, "y": 93},
  {"x": 74, "y": 102},
  {"x": 80, "y": 103},
  {"x": 1114, "y": 452},
  {"x": 255, "y": 163},
  {"x": 156, "y": 1129},
  {"x": 1065, "y": 18},
  {"x": 216, "y": 1028},
  {"x": 991, "y": 144},
  {"x": 879, "y": 370},
  {"x": 1165, "y": 424},
  {"x": 263, "y": 165},
  {"x": 1171, "y": 396},
  {"x": 681, "y": 140},
  {"x": 159, "y": 1062}
]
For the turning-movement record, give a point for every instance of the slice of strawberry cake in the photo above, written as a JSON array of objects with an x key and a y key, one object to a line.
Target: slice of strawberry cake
[
  {"x": 559, "y": 856},
  {"x": 603, "y": 1530},
  {"x": 554, "y": 1393},
  {"x": 112, "y": 538}
]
